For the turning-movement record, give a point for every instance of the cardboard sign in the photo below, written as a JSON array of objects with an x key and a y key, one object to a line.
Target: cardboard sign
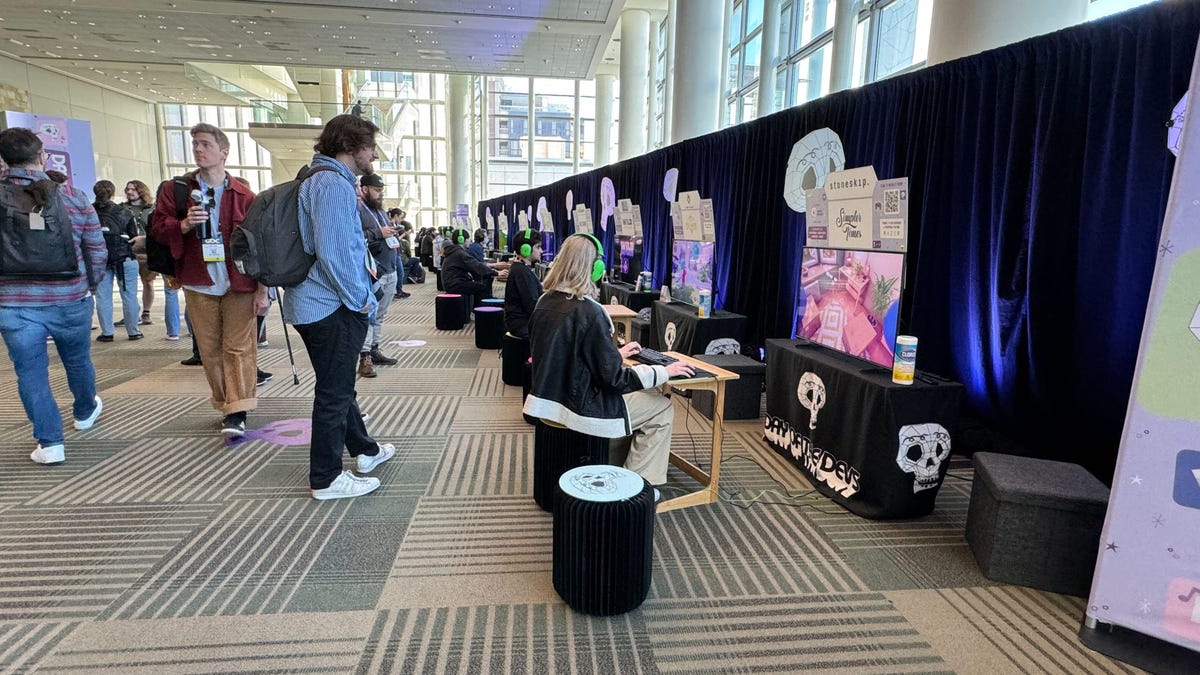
[{"x": 857, "y": 211}]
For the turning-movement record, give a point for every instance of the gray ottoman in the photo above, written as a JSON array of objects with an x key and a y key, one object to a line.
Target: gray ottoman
[
  {"x": 1035, "y": 522},
  {"x": 742, "y": 396}
]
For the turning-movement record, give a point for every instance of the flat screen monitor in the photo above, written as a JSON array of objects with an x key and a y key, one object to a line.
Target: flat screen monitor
[
  {"x": 549, "y": 247},
  {"x": 691, "y": 270},
  {"x": 629, "y": 266},
  {"x": 850, "y": 301}
]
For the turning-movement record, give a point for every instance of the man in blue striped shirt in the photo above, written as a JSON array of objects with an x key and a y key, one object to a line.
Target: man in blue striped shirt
[{"x": 330, "y": 308}]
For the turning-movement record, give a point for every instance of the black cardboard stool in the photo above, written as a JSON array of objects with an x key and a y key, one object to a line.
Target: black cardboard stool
[
  {"x": 603, "y": 539},
  {"x": 513, "y": 353},
  {"x": 447, "y": 311},
  {"x": 1035, "y": 522},
  {"x": 743, "y": 396},
  {"x": 489, "y": 327},
  {"x": 557, "y": 449},
  {"x": 438, "y": 274},
  {"x": 526, "y": 385}
]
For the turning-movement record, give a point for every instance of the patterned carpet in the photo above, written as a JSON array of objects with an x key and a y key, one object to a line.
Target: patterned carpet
[{"x": 157, "y": 548}]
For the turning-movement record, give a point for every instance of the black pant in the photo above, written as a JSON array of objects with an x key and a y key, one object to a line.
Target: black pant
[
  {"x": 479, "y": 289},
  {"x": 333, "y": 344}
]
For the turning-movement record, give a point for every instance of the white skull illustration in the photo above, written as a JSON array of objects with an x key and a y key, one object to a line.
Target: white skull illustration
[
  {"x": 595, "y": 482},
  {"x": 669, "y": 335},
  {"x": 813, "y": 158},
  {"x": 723, "y": 346},
  {"x": 923, "y": 448},
  {"x": 615, "y": 301},
  {"x": 644, "y": 314},
  {"x": 811, "y": 392}
]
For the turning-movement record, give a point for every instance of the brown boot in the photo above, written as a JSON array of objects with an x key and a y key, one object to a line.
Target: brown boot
[{"x": 365, "y": 369}]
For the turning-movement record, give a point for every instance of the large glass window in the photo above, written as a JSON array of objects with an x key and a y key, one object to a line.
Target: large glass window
[
  {"x": 551, "y": 139},
  {"x": 246, "y": 158},
  {"x": 805, "y": 45},
  {"x": 892, "y": 37},
  {"x": 745, "y": 49}
]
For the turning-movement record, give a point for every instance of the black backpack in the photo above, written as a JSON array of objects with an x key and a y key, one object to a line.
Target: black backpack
[
  {"x": 266, "y": 246},
  {"x": 47, "y": 252},
  {"x": 158, "y": 254}
]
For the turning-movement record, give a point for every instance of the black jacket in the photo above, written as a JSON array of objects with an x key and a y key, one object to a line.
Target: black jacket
[
  {"x": 459, "y": 269},
  {"x": 425, "y": 247},
  {"x": 115, "y": 221},
  {"x": 384, "y": 255},
  {"x": 520, "y": 297},
  {"x": 579, "y": 377}
]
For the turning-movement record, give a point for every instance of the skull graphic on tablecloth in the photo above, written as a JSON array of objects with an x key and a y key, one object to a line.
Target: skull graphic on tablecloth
[
  {"x": 811, "y": 392},
  {"x": 923, "y": 448}
]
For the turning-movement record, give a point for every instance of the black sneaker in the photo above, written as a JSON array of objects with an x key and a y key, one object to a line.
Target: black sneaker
[
  {"x": 104, "y": 338},
  {"x": 136, "y": 336},
  {"x": 193, "y": 360},
  {"x": 234, "y": 425},
  {"x": 264, "y": 377}
]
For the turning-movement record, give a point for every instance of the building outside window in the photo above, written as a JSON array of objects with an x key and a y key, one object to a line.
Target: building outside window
[
  {"x": 745, "y": 48},
  {"x": 892, "y": 37}
]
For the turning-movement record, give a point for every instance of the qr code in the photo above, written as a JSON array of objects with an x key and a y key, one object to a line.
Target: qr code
[{"x": 891, "y": 202}]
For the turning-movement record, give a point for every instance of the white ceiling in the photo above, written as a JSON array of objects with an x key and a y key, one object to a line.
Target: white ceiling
[{"x": 140, "y": 46}]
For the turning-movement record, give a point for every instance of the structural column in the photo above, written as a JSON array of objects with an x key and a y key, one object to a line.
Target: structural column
[
  {"x": 844, "y": 23},
  {"x": 768, "y": 57},
  {"x": 458, "y": 105},
  {"x": 966, "y": 27},
  {"x": 635, "y": 45},
  {"x": 651, "y": 84},
  {"x": 669, "y": 72},
  {"x": 699, "y": 45},
  {"x": 604, "y": 119}
]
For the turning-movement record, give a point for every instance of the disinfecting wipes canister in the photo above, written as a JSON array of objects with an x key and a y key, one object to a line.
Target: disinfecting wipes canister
[{"x": 905, "y": 364}]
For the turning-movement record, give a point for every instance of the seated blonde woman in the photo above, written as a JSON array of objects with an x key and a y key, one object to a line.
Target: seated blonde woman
[{"x": 580, "y": 380}]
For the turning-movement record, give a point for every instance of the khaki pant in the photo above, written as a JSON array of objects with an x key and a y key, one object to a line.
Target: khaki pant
[
  {"x": 651, "y": 416},
  {"x": 224, "y": 327}
]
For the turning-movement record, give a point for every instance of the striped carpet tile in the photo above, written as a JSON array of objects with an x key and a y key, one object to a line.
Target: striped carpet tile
[
  {"x": 295, "y": 643},
  {"x": 723, "y": 551},
  {"x": 486, "y": 464},
  {"x": 250, "y": 558},
  {"x": 475, "y": 535},
  {"x": 84, "y": 557},
  {"x": 506, "y": 639},
  {"x": 137, "y": 416},
  {"x": 24, "y": 645},
  {"x": 160, "y": 471},
  {"x": 24, "y": 480},
  {"x": 830, "y": 633},
  {"x": 487, "y": 384},
  {"x": 1035, "y": 631},
  {"x": 403, "y": 416}
]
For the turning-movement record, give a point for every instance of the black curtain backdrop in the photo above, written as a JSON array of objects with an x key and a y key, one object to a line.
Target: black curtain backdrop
[{"x": 1038, "y": 176}]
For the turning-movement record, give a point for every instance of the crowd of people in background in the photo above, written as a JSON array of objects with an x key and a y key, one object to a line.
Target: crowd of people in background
[{"x": 363, "y": 256}]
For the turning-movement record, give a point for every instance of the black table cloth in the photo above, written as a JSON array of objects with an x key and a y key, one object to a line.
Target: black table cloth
[
  {"x": 878, "y": 448},
  {"x": 625, "y": 295},
  {"x": 675, "y": 326}
]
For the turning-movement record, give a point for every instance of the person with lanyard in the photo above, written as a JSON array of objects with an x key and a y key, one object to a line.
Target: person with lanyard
[
  {"x": 221, "y": 302},
  {"x": 382, "y": 242}
]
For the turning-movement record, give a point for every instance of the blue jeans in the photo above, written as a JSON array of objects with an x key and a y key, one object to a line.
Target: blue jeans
[
  {"x": 25, "y": 330},
  {"x": 129, "y": 299},
  {"x": 171, "y": 300}
]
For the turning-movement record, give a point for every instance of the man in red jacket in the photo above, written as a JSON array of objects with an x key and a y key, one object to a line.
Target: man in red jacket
[{"x": 221, "y": 302}]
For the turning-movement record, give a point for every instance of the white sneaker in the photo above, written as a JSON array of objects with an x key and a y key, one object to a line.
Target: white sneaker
[
  {"x": 347, "y": 485},
  {"x": 55, "y": 454},
  {"x": 367, "y": 463},
  {"x": 84, "y": 425}
]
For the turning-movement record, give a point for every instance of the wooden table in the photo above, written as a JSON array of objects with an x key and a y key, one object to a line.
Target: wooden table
[
  {"x": 708, "y": 493},
  {"x": 621, "y": 316}
]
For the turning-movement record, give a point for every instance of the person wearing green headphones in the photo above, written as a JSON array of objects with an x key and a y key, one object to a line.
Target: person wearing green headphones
[{"x": 580, "y": 380}]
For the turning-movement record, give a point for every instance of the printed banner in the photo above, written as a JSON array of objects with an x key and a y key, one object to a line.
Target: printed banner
[
  {"x": 67, "y": 142},
  {"x": 857, "y": 211},
  {"x": 1148, "y": 567}
]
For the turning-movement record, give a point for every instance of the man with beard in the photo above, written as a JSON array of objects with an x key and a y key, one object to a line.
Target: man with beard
[
  {"x": 382, "y": 241},
  {"x": 331, "y": 307}
]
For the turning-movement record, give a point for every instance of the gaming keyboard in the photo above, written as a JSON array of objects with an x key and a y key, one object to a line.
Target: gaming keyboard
[{"x": 653, "y": 357}]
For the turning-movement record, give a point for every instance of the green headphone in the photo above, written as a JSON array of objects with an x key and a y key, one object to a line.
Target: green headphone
[
  {"x": 598, "y": 267},
  {"x": 461, "y": 236},
  {"x": 526, "y": 248}
]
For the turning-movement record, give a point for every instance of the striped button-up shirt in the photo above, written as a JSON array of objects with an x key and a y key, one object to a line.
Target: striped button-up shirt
[
  {"x": 331, "y": 230},
  {"x": 89, "y": 250}
]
